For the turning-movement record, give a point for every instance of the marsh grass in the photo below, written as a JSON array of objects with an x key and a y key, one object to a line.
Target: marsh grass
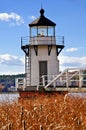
[{"x": 57, "y": 112}]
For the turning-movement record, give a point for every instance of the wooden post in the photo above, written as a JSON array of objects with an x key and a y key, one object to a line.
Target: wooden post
[
  {"x": 67, "y": 81},
  {"x": 80, "y": 79},
  {"x": 23, "y": 123},
  {"x": 41, "y": 127},
  {"x": 10, "y": 126},
  {"x": 54, "y": 83},
  {"x": 43, "y": 80}
]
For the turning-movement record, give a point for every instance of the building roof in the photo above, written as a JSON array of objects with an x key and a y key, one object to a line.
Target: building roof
[{"x": 42, "y": 21}]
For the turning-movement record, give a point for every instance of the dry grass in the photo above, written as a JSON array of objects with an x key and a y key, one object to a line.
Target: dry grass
[{"x": 46, "y": 112}]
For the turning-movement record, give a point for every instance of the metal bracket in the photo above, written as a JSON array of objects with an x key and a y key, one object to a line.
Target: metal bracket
[
  {"x": 49, "y": 49},
  {"x": 59, "y": 49},
  {"x": 25, "y": 49},
  {"x": 36, "y": 49}
]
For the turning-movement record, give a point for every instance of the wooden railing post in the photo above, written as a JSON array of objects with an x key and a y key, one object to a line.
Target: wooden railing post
[
  {"x": 43, "y": 80},
  {"x": 67, "y": 79},
  {"x": 80, "y": 79}
]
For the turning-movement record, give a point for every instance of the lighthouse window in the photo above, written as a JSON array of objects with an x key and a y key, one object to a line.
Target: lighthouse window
[
  {"x": 42, "y": 32},
  {"x": 33, "y": 32},
  {"x": 50, "y": 31}
]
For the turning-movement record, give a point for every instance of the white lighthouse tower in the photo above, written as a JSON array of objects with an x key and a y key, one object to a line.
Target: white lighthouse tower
[{"x": 41, "y": 49}]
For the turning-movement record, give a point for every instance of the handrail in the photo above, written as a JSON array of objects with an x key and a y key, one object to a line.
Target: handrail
[
  {"x": 58, "y": 40},
  {"x": 54, "y": 79},
  {"x": 74, "y": 72}
]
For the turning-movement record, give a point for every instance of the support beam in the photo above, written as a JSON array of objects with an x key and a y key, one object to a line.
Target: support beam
[
  {"x": 36, "y": 49},
  {"x": 49, "y": 49},
  {"x": 59, "y": 49},
  {"x": 25, "y": 49}
]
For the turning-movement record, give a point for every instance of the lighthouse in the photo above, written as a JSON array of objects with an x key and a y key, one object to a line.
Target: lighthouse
[{"x": 41, "y": 49}]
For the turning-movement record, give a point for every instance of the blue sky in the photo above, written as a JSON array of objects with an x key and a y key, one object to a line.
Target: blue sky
[{"x": 70, "y": 19}]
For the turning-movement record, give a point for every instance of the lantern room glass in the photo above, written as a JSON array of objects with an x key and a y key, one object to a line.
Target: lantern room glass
[{"x": 42, "y": 31}]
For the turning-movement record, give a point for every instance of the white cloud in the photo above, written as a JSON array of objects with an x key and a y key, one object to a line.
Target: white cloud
[
  {"x": 71, "y": 49},
  {"x": 10, "y": 64},
  {"x": 11, "y": 60},
  {"x": 11, "y": 72},
  {"x": 72, "y": 62},
  {"x": 12, "y": 18},
  {"x": 32, "y": 17}
]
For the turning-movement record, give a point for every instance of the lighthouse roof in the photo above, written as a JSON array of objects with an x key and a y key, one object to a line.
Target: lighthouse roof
[{"x": 42, "y": 21}]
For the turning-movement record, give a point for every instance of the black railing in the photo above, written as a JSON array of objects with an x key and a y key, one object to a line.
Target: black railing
[
  {"x": 58, "y": 40},
  {"x": 25, "y": 40}
]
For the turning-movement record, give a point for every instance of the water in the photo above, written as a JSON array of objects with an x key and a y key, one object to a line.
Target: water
[
  {"x": 8, "y": 97},
  {"x": 77, "y": 94}
]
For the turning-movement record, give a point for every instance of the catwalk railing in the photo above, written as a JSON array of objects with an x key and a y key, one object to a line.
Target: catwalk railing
[
  {"x": 69, "y": 78},
  {"x": 42, "y": 40}
]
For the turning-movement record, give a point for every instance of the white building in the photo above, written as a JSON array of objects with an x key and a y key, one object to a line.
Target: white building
[{"x": 41, "y": 49}]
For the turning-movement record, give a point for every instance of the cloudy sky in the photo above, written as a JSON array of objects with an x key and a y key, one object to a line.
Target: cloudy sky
[{"x": 70, "y": 19}]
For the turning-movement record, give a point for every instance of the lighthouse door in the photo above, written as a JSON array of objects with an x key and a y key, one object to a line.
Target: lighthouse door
[{"x": 42, "y": 71}]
